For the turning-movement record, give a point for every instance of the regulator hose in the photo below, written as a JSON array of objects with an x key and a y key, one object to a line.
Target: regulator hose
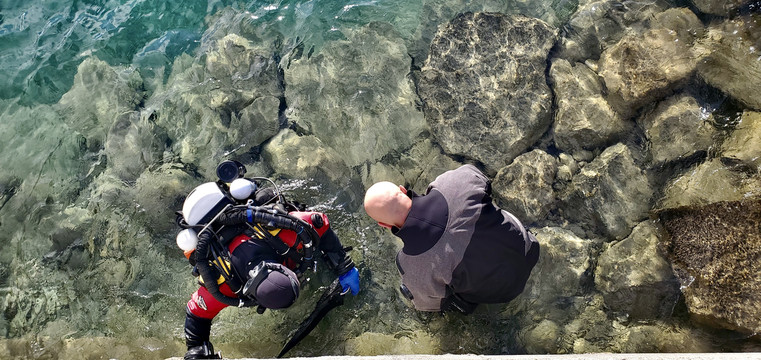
[
  {"x": 210, "y": 275},
  {"x": 275, "y": 219}
]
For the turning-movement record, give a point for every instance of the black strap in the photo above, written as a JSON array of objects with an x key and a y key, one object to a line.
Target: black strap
[{"x": 278, "y": 245}]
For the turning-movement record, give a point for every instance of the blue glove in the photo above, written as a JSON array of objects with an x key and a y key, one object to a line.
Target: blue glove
[{"x": 350, "y": 280}]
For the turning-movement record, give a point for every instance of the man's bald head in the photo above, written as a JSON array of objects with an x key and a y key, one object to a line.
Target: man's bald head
[{"x": 388, "y": 204}]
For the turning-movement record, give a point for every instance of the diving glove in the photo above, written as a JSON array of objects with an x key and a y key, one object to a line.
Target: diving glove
[{"x": 350, "y": 280}]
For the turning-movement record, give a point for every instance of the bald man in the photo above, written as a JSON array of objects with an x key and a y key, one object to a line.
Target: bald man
[{"x": 460, "y": 250}]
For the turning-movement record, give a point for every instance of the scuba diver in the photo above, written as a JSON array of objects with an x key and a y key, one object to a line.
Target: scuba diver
[{"x": 249, "y": 246}]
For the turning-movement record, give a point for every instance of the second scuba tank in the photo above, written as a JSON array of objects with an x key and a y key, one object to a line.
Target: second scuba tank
[{"x": 187, "y": 240}]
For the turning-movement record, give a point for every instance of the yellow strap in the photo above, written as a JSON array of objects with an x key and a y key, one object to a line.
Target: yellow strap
[{"x": 259, "y": 231}]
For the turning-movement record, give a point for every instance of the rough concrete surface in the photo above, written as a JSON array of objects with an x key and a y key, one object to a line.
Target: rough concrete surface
[{"x": 685, "y": 356}]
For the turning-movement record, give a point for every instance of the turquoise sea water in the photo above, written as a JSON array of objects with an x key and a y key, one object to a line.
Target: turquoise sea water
[
  {"x": 43, "y": 42},
  {"x": 72, "y": 287}
]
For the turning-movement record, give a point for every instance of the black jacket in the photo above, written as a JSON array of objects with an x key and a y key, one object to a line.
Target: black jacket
[{"x": 457, "y": 242}]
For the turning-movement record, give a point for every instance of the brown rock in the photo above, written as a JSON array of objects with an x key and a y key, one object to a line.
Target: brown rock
[{"x": 715, "y": 251}]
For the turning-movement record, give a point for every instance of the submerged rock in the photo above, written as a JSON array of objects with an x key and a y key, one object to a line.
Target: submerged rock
[
  {"x": 635, "y": 277},
  {"x": 304, "y": 157},
  {"x": 44, "y": 165},
  {"x": 597, "y": 25},
  {"x": 560, "y": 274},
  {"x": 100, "y": 94},
  {"x": 229, "y": 101},
  {"x": 355, "y": 95},
  {"x": 160, "y": 192},
  {"x": 743, "y": 147},
  {"x": 677, "y": 129},
  {"x": 719, "y": 7},
  {"x": 709, "y": 182},
  {"x": 484, "y": 89},
  {"x": 638, "y": 338},
  {"x": 434, "y": 13},
  {"x": 237, "y": 66},
  {"x": 732, "y": 62},
  {"x": 542, "y": 338},
  {"x": 416, "y": 167},
  {"x": 524, "y": 188},
  {"x": 609, "y": 195},
  {"x": 642, "y": 68},
  {"x": 371, "y": 344},
  {"x": 133, "y": 144},
  {"x": 584, "y": 119},
  {"x": 714, "y": 250}
]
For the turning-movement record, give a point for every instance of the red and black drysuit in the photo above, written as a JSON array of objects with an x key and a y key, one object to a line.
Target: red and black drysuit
[{"x": 246, "y": 252}]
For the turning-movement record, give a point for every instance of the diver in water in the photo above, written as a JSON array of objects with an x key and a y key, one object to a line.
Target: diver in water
[{"x": 249, "y": 247}]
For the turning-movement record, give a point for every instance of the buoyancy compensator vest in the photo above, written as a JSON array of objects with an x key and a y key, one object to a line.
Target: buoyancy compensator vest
[{"x": 207, "y": 233}]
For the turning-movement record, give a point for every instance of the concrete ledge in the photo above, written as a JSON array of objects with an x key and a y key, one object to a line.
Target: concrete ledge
[{"x": 685, "y": 356}]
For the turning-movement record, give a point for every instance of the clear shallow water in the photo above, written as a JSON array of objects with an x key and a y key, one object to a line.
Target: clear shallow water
[
  {"x": 123, "y": 297},
  {"x": 44, "y": 42}
]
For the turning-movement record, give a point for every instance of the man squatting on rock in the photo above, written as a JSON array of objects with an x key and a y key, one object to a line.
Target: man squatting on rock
[
  {"x": 267, "y": 277},
  {"x": 460, "y": 250}
]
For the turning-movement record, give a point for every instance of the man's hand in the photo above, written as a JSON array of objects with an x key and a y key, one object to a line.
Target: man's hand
[{"x": 350, "y": 280}]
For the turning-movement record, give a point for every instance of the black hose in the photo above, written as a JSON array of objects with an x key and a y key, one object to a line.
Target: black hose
[
  {"x": 210, "y": 275},
  {"x": 304, "y": 231}
]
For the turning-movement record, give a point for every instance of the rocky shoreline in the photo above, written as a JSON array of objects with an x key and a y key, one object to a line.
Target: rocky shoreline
[{"x": 628, "y": 140}]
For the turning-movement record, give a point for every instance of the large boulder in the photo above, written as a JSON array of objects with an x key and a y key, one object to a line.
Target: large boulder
[
  {"x": 609, "y": 195},
  {"x": 304, "y": 157},
  {"x": 372, "y": 344},
  {"x": 719, "y": 7},
  {"x": 598, "y": 25},
  {"x": 657, "y": 338},
  {"x": 416, "y": 167},
  {"x": 44, "y": 162},
  {"x": 159, "y": 193},
  {"x": 524, "y": 188},
  {"x": 134, "y": 142},
  {"x": 228, "y": 99},
  {"x": 678, "y": 128},
  {"x": 642, "y": 68},
  {"x": 743, "y": 146},
  {"x": 355, "y": 96},
  {"x": 560, "y": 275},
  {"x": 99, "y": 95},
  {"x": 584, "y": 119},
  {"x": 709, "y": 182},
  {"x": 714, "y": 250},
  {"x": 484, "y": 89},
  {"x": 237, "y": 67},
  {"x": 731, "y": 50},
  {"x": 635, "y": 277},
  {"x": 434, "y": 13}
]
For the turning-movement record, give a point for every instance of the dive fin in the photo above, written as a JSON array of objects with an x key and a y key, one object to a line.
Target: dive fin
[{"x": 331, "y": 298}]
